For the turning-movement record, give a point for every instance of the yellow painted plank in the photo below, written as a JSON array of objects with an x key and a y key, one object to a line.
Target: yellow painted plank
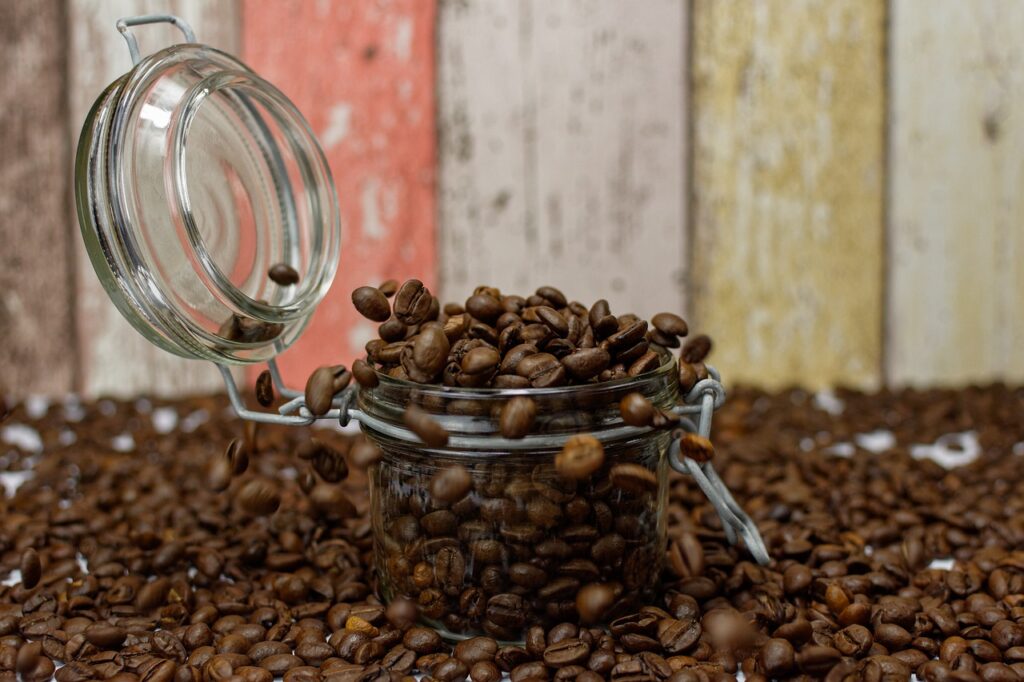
[
  {"x": 788, "y": 188},
  {"x": 957, "y": 216}
]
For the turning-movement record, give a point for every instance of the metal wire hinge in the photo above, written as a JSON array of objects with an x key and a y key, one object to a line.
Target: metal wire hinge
[
  {"x": 700, "y": 403},
  {"x": 133, "y": 44}
]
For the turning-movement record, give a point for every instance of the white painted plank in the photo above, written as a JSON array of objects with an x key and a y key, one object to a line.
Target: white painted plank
[
  {"x": 115, "y": 358},
  {"x": 562, "y": 149},
  {"x": 956, "y": 305}
]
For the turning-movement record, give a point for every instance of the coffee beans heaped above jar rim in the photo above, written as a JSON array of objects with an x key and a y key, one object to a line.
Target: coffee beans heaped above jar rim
[{"x": 497, "y": 340}]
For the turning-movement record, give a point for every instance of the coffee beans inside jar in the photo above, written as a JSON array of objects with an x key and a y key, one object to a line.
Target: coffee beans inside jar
[{"x": 563, "y": 516}]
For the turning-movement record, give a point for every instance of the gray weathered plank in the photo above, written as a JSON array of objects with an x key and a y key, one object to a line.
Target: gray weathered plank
[
  {"x": 37, "y": 351},
  {"x": 115, "y": 358},
  {"x": 562, "y": 149},
  {"x": 956, "y": 305}
]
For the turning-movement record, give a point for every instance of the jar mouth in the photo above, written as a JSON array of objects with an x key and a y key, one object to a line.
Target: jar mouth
[{"x": 471, "y": 415}]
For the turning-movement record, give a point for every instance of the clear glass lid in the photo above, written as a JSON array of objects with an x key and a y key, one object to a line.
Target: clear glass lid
[{"x": 194, "y": 178}]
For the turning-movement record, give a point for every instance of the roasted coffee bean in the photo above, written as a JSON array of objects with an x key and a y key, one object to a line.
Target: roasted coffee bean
[
  {"x": 412, "y": 303},
  {"x": 237, "y": 456},
  {"x": 31, "y": 568},
  {"x": 670, "y": 324},
  {"x": 636, "y": 410},
  {"x": 475, "y": 650},
  {"x": 567, "y": 652},
  {"x": 105, "y": 635},
  {"x": 484, "y": 671},
  {"x": 517, "y": 417},
  {"x": 484, "y": 307},
  {"x": 543, "y": 370},
  {"x": 392, "y": 330},
  {"x": 430, "y": 350},
  {"x": 633, "y": 478},
  {"x": 422, "y": 640},
  {"x": 365, "y": 374},
  {"x": 696, "y": 349},
  {"x": 283, "y": 274},
  {"x": 265, "y": 389},
  {"x": 451, "y": 483},
  {"x": 372, "y": 304},
  {"x": 259, "y": 496},
  {"x": 322, "y": 385},
  {"x": 594, "y": 600},
  {"x": 696, "y": 447},
  {"x": 584, "y": 364},
  {"x": 425, "y": 427},
  {"x": 580, "y": 457}
]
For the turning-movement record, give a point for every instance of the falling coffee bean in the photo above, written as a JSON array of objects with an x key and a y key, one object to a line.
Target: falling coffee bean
[
  {"x": 371, "y": 304},
  {"x": 670, "y": 324},
  {"x": 581, "y": 456},
  {"x": 265, "y": 389},
  {"x": 259, "y": 496},
  {"x": 412, "y": 303},
  {"x": 238, "y": 456},
  {"x": 425, "y": 426},
  {"x": 283, "y": 274},
  {"x": 517, "y": 416},
  {"x": 636, "y": 410},
  {"x": 31, "y": 568},
  {"x": 389, "y": 287}
]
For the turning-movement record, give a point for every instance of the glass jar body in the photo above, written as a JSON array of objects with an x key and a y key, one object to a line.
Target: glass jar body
[{"x": 522, "y": 545}]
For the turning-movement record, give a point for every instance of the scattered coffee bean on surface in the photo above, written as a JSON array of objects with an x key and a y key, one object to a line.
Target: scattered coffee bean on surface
[
  {"x": 517, "y": 417},
  {"x": 265, "y": 389},
  {"x": 31, "y": 568},
  {"x": 283, "y": 274},
  {"x": 371, "y": 303},
  {"x": 581, "y": 456},
  {"x": 425, "y": 427}
]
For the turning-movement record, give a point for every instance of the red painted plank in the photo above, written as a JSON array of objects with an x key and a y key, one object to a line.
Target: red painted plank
[{"x": 362, "y": 73}]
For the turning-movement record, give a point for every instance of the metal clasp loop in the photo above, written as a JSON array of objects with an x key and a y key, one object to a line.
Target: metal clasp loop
[{"x": 133, "y": 44}]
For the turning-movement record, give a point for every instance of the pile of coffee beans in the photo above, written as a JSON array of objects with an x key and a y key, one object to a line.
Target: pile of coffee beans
[
  {"x": 119, "y": 559},
  {"x": 497, "y": 340}
]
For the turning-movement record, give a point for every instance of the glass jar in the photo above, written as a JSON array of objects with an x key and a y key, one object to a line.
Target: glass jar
[
  {"x": 516, "y": 550},
  {"x": 193, "y": 177}
]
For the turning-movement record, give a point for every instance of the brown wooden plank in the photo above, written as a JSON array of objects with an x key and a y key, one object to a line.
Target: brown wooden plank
[
  {"x": 37, "y": 351},
  {"x": 115, "y": 358},
  {"x": 956, "y": 304},
  {"x": 788, "y": 188},
  {"x": 562, "y": 149}
]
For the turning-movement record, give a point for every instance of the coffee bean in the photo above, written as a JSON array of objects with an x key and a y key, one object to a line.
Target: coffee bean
[
  {"x": 484, "y": 671},
  {"x": 566, "y": 652},
  {"x": 476, "y": 650},
  {"x": 636, "y": 410},
  {"x": 365, "y": 374},
  {"x": 392, "y": 330},
  {"x": 422, "y": 640},
  {"x": 283, "y": 274},
  {"x": 670, "y": 324},
  {"x": 696, "y": 447},
  {"x": 584, "y": 364},
  {"x": 31, "y": 568},
  {"x": 543, "y": 370},
  {"x": 633, "y": 478},
  {"x": 372, "y": 304},
  {"x": 553, "y": 296},
  {"x": 430, "y": 351},
  {"x": 696, "y": 349},
  {"x": 451, "y": 483},
  {"x": 484, "y": 307},
  {"x": 517, "y": 416},
  {"x": 321, "y": 387},
  {"x": 580, "y": 457},
  {"x": 105, "y": 635},
  {"x": 412, "y": 302},
  {"x": 259, "y": 496},
  {"x": 777, "y": 657},
  {"x": 425, "y": 427},
  {"x": 482, "y": 360},
  {"x": 237, "y": 456}
]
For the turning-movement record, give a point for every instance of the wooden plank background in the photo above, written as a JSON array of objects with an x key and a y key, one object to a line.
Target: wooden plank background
[
  {"x": 36, "y": 313},
  {"x": 792, "y": 175},
  {"x": 956, "y": 310},
  {"x": 113, "y": 358},
  {"x": 563, "y": 148},
  {"x": 362, "y": 73},
  {"x": 788, "y": 218}
]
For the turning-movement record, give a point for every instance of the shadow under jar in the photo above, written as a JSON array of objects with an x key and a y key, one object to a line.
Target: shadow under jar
[{"x": 516, "y": 548}]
